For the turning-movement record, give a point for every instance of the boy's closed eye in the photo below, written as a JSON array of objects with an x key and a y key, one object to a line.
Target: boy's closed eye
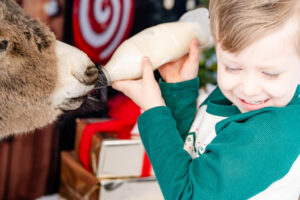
[
  {"x": 232, "y": 69},
  {"x": 271, "y": 75},
  {"x": 268, "y": 74}
]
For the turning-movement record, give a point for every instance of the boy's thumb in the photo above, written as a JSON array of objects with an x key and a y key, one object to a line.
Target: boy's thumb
[
  {"x": 147, "y": 68},
  {"x": 194, "y": 53}
]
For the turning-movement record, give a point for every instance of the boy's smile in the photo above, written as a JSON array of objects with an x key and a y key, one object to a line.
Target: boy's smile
[
  {"x": 254, "y": 105},
  {"x": 266, "y": 73}
]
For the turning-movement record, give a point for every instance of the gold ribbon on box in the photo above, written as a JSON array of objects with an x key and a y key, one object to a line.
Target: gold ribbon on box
[{"x": 94, "y": 157}]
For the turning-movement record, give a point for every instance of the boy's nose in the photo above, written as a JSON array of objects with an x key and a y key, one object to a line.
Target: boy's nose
[{"x": 250, "y": 85}]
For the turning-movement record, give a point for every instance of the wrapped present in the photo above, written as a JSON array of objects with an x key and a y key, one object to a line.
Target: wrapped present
[
  {"x": 114, "y": 153},
  {"x": 81, "y": 123},
  {"x": 95, "y": 149},
  {"x": 123, "y": 158},
  {"x": 130, "y": 189},
  {"x": 96, "y": 143},
  {"x": 123, "y": 114},
  {"x": 78, "y": 183}
]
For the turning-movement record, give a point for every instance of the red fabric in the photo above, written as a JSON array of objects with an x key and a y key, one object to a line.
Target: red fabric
[
  {"x": 146, "y": 168},
  {"x": 123, "y": 113}
]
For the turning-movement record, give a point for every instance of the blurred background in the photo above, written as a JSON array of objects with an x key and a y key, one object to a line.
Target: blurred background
[{"x": 30, "y": 164}]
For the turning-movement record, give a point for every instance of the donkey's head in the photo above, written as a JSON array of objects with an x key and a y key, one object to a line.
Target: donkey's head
[{"x": 39, "y": 76}]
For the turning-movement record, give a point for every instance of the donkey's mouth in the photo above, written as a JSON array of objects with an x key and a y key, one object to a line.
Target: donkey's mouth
[
  {"x": 78, "y": 99},
  {"x": 72, "y": 103}
]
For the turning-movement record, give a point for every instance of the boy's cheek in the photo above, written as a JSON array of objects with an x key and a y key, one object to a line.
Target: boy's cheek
[
  {"x": 227, "y": 82},
  {"x": 284, "y": 94},
  {"x": 280, "y": 88}
]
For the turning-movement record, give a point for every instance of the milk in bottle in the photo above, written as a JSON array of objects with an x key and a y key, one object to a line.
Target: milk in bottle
[{"x": 161, "y": 43}]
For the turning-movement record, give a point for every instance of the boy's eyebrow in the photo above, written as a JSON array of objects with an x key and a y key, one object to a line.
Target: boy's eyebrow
[
  {"x": 272, "y": 65},
  {"x": 230, "y": 60}
]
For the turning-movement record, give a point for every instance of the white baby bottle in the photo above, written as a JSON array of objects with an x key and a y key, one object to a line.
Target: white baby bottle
[{"x": 161, "y": 43}]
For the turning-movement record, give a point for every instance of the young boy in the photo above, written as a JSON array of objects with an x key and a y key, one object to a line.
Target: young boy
[{"x": 244, "y": 140}]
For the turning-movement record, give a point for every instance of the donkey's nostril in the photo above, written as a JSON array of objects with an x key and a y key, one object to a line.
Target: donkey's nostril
[
  {"x": 91, "y": 75},
  {"x": 91, "y": 70}
]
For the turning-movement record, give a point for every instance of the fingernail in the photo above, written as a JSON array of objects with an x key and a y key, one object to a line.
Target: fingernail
[
  {"x": 196, "y": 43},
  {"x": 145, "y": 59}
]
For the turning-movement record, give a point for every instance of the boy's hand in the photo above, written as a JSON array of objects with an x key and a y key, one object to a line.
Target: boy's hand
[
  {"x": 144, "y": 92},
  {"x": 183, "y": 69}
]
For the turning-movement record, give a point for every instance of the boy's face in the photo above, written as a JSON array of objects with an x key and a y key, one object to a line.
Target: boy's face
[{"x": 264, "y": 74}]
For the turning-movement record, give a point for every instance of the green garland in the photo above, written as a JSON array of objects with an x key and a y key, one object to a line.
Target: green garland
[
  {"x": 204, "y": 3},
  {"x": 208, "y": 67},
  {"x": 208, "y": 63}
]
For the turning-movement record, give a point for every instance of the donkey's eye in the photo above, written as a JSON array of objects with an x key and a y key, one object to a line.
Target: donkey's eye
[{"x": 3, "y": 45}]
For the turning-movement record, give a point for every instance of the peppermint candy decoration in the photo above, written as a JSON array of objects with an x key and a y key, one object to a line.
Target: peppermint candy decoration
[{"x": 99, "y": 26}]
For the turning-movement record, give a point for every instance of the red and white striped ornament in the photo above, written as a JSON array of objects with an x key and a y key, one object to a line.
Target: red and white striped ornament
[{"x": 99, "y": 26}]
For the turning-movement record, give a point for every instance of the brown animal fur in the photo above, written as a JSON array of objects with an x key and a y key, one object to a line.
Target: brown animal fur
[{"x": 28, "y": 71}]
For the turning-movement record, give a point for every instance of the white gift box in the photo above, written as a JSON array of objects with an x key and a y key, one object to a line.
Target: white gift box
[
  {"x": 120, "y": 167},
  {"x": 121, "y": 158},
  {"x": 130, "y": 189}
]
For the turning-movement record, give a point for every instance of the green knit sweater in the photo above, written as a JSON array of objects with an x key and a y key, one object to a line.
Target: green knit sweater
[{"x": 251, "y": 155}]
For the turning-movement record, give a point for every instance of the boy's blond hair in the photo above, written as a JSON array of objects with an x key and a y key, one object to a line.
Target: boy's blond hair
[{"x": 235, "y": 24}]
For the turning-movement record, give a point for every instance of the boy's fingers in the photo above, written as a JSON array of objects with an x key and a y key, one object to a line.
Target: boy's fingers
[
  {"x": 121, "y": 85},
  {"x": 147, "y": 69},
  {"x": 194, "y": 51},
  {"x": 117, "y": 85}
]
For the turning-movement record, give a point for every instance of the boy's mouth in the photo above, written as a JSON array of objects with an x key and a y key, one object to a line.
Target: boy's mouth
[
  {"x": 254, "y": 105},
  {"x": 254, "y": 102}
]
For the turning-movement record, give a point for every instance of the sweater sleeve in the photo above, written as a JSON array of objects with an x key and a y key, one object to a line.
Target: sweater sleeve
[
  {"x": 181, "y": 99},
  {"x": 247, "y": 155}
]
